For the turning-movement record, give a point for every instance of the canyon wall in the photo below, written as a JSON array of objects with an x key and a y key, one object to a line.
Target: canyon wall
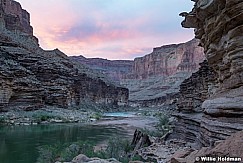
[
  {"x": 169, "y": 59},
  {"x": 211, "y": 107},
  {"x": 15, "y": 18},
  {"x": 154, "y": 78},
  {"x": 31, "y": 78},
  {"x": 114, "y": 69}
]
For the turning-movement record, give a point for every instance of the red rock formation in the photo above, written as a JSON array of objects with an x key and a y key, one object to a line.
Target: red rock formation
[
  {"x": 151, "y": 78},
  {"x": 156, "y": 77},
  {"x": 169, "y": 59}
]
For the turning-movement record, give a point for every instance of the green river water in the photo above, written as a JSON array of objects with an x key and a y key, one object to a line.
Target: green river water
[{"x": 19, "y": 144}]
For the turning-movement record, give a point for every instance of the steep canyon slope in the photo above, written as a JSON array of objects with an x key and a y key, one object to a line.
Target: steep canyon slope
[
  {"x": 210, "y": 106},
  {"x": 157, "y": 76},
  {"x": 116, "y": 70},
  {"x": 154, "y": 76},
  {"x": 31, "y": 77}
]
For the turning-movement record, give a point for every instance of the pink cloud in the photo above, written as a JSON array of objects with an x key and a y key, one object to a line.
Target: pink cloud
[{"x": 96, "y": 29}]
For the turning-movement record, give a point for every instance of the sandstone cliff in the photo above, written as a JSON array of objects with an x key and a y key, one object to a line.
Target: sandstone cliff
[
  {"x": 211, "y": 102},
  {"x": 168, "y": 60},
  {"x": 156, "y": 77},
  {"x": 31, "y": 77}
]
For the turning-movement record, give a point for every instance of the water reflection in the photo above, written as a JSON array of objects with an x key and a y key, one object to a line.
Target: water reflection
[{"x": 18, "y": 144}]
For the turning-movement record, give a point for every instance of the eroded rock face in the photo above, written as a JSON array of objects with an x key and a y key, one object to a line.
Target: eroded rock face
[
  {"x": 219, "y": 27},
  {"x": 229, "y": 150},
  {"x": 31, "y": 77},
  {"x": 196, "y": 89},
  {"x": 168, "y": 60},
  {"x": 15, "y": 18},
  {"x": 32, "y": 80},
  {"x": 207, "y": 116},
  {"x": 156, "y": 77}
]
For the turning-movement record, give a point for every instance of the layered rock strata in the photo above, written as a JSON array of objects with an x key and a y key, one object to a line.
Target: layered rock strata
[
  {"x": 168, "y": 60},
  {"x": 229, "y": 150},
  {"x": 31, "y": 77},
  {"x": 156, "y": 77},
  {"x": 218, "y": 24},
  {"x": 114, "y": 69}
]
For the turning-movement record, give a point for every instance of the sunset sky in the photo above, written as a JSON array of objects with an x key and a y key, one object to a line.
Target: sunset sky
[{"x": 112, "y": 29}]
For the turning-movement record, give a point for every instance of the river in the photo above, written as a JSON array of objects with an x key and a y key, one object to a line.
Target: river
[{"x": 19, "y": 144}]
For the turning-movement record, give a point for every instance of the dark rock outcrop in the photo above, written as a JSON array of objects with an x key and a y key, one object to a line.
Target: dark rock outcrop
[
  {"x": 140, "y": 140},
  {"x": 31, "y": 77},
  {"x": 211, "y": 107},
  {"x": 196, "y": 89}
]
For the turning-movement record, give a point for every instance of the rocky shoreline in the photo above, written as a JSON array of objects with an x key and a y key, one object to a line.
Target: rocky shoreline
[
  {"x": 52, "y": 115},
  {"x": 44, "y": 116}
]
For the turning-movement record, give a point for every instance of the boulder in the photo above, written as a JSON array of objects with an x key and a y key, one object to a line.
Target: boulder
[{"x": 84, "y": 159}]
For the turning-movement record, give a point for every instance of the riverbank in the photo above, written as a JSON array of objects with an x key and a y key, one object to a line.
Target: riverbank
[
  {"x": 76, "y": 115},
  {"x": 55, "y": 115},
  {"x": 44, "y": 116},
  {"x": 130, "y": 124}
]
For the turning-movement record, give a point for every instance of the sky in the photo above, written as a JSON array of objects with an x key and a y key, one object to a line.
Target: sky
[{"x": 111, "y": 29}]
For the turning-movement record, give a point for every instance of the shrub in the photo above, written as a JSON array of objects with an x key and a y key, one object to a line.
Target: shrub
[
  {"x": 163, "y": 124},
  {"x": 96, "y": 115},
  {"x": 155, "y": 133},
  {"x": 43, "y": 116},
  {"x": 64, "y": 152},
  {"x": 117, "y": 148},
  {"x": 2, "y": 120}
]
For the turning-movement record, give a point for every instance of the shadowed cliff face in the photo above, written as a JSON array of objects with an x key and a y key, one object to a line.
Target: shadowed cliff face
[
  {"x": 219, "y": 113},
  {"x": 31, "y": 77}
]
